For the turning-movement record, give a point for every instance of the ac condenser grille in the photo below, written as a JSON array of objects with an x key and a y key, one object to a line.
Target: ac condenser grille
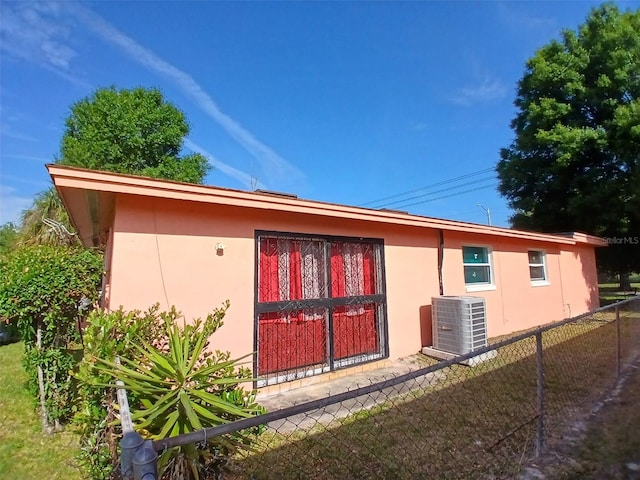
[{"x": 459, "y": 324}]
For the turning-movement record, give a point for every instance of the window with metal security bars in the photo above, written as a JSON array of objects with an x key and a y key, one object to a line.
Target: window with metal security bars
[
  {"x": 320, "y": 304},
  {"x": 537, "y": 267}
]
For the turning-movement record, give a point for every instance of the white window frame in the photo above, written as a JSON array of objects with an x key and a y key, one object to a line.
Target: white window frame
[
  {"x": 536, "y": 282},
  {"x": 485, "y": 286}
]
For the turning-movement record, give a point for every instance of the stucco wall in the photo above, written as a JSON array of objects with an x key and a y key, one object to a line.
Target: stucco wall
[
  {"x": 579, "y": 279},
  {"x": 515, "y": 303},
  {"x": 164, "y": 251}
]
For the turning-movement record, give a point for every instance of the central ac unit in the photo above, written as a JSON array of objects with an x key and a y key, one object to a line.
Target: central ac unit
[{"x": 459, "y": 324}]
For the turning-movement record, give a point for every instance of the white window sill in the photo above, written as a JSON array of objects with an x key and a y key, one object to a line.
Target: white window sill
[
  {"x": 539, "y": 283},
  {"x": 480, "y": 288}
]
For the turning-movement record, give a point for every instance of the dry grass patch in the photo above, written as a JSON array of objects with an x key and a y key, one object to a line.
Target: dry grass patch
[
  {"x": 610, "y": 448},
  {"x": 458, "y": 422}
]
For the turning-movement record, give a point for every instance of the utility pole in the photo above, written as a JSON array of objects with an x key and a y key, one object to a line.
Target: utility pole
[{"x": 488, "y": 212}]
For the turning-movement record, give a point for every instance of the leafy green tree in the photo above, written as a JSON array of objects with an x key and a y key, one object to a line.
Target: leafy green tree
[
  {"x": 130, "y": 131},
  {"x": 124, "y": 131},
  {"x": 8, "y": 236},
  {"x": 575, "y": 162}
]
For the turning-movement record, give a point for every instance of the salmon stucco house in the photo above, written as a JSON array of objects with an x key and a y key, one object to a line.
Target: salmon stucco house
[{"x": 315, "y": 287}]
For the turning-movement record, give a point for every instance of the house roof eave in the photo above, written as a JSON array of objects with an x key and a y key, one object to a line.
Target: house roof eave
[{"x": 107, "y": 185}]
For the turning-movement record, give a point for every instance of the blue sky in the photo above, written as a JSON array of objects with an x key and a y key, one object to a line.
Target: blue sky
[{"x": 385, "y": 104}]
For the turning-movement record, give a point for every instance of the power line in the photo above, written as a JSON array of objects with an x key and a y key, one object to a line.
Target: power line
[
  {"x": 444, "y": 182},
  {"x": 448, "y": 196},
  {"x": 415, "y": 197}
]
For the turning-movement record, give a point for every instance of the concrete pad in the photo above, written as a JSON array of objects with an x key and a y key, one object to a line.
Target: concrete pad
[
  {"x": 326, "y": 415},
  {"x": 470, "y": 362}
]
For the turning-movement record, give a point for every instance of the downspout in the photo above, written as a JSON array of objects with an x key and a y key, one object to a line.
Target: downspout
[
  {"x": 105, "y": 290},
  {"x": 567, "y": 305},
  {"x": 441, "y": 261}
]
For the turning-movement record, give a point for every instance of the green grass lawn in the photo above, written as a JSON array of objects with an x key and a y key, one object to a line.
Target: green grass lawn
[
  {"x": 25, "y": 452},
  {"x": 610, "y": 293}
]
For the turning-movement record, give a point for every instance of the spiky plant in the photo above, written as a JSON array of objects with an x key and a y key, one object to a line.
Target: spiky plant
[{"x": 184, "y": 387}]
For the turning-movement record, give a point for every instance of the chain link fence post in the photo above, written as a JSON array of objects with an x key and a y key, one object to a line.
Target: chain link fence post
[
  {"x": 138, "y": 459},
  {"x": 540, "y": 395},
  {"x": 145, "y": 462},
  {"x": 129, "y": 445},
  {"x": 618, "y": 349}
]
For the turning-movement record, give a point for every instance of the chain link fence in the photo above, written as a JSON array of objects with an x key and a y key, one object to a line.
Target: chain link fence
[{"x": 446, "y": 420}]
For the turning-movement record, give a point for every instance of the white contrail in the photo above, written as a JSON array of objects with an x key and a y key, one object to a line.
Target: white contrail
[
  {"x": 34, "y": 32},
  {"x": 274, "y": 167},
  {"x": 243, "y": 177}
]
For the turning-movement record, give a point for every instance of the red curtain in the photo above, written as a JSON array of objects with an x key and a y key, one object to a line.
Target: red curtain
[
  {"x": 355, "y": 332},
  {"x": 352, "y": 270},
  {"x": 289, "y": 345},
  {"x": 280, "y": 270},
  {"x": 354, "y": 326},
  {"x": 296, "y": 338},
  {"x": 268, "y": 289}
]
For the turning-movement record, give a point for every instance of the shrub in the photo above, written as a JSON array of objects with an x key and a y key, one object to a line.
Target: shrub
[
  {"x": 40, "y": 290},
  {"x": 107, "y": 335},
  {"x": 175, "y": 385}
]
